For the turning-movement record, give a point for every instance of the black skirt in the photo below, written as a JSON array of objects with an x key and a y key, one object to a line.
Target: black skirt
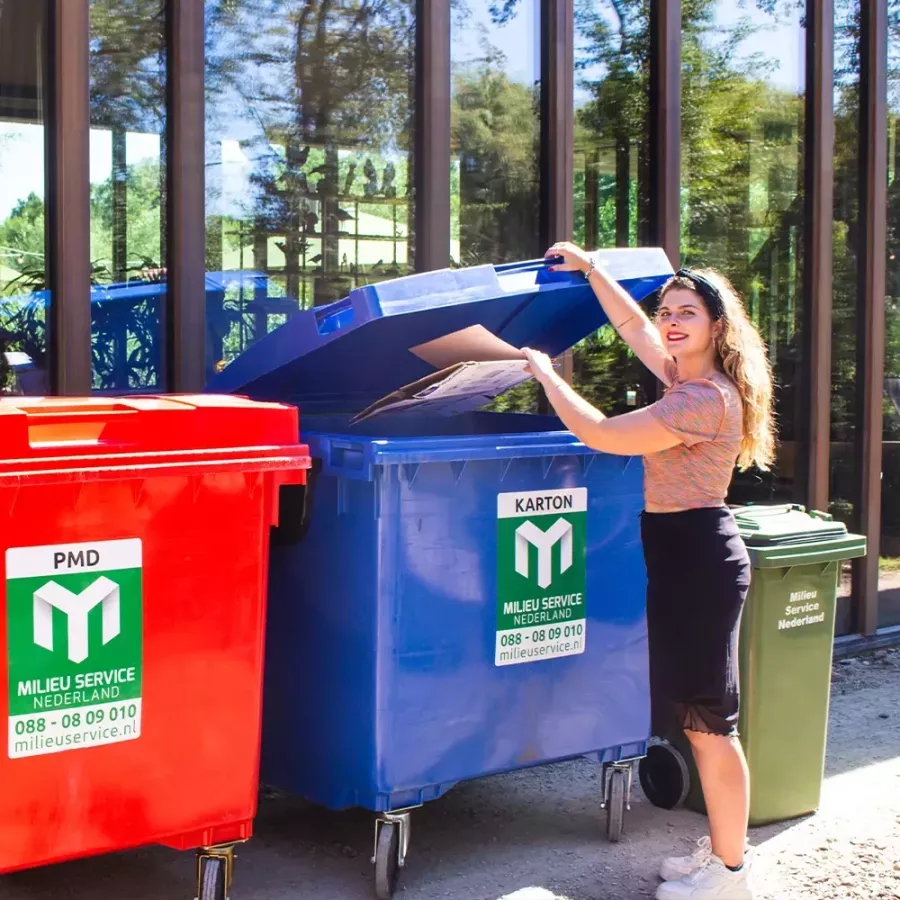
[{"x": 698, "y": 575}]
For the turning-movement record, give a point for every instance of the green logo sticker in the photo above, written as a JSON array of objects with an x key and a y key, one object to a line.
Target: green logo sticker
[
  {"x": 541, "y": 575},
  {"x": 75, "y": 646}
]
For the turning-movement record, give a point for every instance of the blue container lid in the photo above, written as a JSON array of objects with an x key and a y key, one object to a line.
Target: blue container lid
[
  {"x": 345, "y": 356},
  {"x": 137, "y": 290}
]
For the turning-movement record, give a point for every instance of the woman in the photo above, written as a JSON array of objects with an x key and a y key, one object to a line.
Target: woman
[{"x": 716, "y": 411}]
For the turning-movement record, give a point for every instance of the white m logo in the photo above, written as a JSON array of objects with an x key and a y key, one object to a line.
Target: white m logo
[
  {"x": 76, "y": 608},
  {"x": 529, "y": 534}
]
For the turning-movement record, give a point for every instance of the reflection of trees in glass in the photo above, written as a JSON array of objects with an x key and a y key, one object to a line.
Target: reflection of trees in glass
[
  {"x": 23, "y": 323},
  {"x": 318, "y": 96},
  {"x": 22, "y": 237},
  {"x": 24, "y": 26},
  {"x": 496, "y": 138},
  {"x": 142, "y": 218},
  {"x": 890, "y": 487},
  {"x": 848, "y": 258},
  {"x": 612, "y": 61},
  {"x": 845, "y": 256},
  {"x": 495, "y": 145},
  {"x": 611, "y": 69},
  {"x": 742, "y": 203},
  {"x": 128, "y": 97},
  {"x": 128, "y": 73},
  {"x": 496, "y": 132},
  {"x": 742, "y": 208}
]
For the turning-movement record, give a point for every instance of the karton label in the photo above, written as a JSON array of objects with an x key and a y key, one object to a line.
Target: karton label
[
  {"x": 541, "y": 575},
  {"x": 75, "y": 646}
]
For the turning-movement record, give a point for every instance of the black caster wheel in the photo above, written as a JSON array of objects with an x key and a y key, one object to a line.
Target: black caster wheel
[
  {"x": 212, "y": 879},
  {"x": 387, "y": 860},
  {"x": 664, "y": 776},
  {"x": 615, "y": 805}
]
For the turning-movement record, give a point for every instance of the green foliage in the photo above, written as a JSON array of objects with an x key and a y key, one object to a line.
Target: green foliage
[
  {"x": 22, "y": 234},
  {"x": 321, "y": 94},
  {"x": 137, "y": 325},
  {"x": 128, "y": 65},
  {"x": 496, "y": 127},
  {"x": 143, "y": 217}
]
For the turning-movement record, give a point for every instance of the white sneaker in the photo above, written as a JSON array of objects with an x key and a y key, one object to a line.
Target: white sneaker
[
  {"x": 676, "y": 867},
  {"x": 712, "y": 881}
]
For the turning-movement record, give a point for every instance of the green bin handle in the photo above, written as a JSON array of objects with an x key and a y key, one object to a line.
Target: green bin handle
[{"x": 785, "y": 508}]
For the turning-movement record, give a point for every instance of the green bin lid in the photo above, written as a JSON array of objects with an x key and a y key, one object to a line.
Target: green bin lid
[
  {"x": 763, "y": 526},
  {"x": 790, "y": 535}
]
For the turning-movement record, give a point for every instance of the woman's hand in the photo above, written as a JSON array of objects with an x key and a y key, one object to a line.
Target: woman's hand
[
  {"x": 540, "y": 365},
  {"x": 574, "y": 258}
]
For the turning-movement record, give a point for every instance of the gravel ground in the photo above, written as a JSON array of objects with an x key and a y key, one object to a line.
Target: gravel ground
[{"x": 537, "y": 835}]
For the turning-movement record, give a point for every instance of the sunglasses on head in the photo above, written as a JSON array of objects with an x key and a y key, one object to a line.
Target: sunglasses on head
[{"x": 708, "y": 292}]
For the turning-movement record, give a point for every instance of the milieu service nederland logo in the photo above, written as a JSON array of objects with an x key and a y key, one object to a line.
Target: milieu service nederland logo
[{"x": 76, "y": 607}]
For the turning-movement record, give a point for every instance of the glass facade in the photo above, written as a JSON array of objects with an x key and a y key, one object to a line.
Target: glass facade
[
  {"x": 495, "y": 143},
  {"x": 128, "y": 193},
  {"x": 889, "y": 580},
  {"x": 743, "y": 96},
  {"x": 610, "y": 190},
  {"x": 24, "y": 295},
  {"x": 844, "y": 483},
  {"x": 310, "y": 187},
  {"x": 308, "y": 149},
  {"x": 495, "y": 132}
]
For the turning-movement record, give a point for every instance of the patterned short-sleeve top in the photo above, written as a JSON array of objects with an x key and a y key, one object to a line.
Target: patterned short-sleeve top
[{"x": 708, "y": 417}]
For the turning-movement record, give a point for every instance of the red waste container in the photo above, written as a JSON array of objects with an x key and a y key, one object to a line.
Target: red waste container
[{"x": 134, "y": 536}]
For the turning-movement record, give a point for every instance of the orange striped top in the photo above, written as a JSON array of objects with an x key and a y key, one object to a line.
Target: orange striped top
[{"x": 707, "y": 415}]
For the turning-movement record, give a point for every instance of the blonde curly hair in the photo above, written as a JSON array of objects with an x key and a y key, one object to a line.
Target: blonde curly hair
[{"x": 743, "y": 358}]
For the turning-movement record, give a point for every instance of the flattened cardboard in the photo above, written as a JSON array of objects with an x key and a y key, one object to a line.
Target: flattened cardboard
[
  {"x": 473, "y": 344},
  {"x": 455, "y": 386}
]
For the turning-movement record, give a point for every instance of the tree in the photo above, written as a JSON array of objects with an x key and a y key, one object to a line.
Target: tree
[
  {"x": 143, "y": 216},
  {"x": 304, "y": 79},
  {"x": 128, "y": 65},
  {"x": 613, "y": 68},
  {"x": 22, "y": 234},
  {"x": 495, "y": 130}
]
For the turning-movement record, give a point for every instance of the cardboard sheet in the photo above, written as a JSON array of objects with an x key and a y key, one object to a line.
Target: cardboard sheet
[{"x": 471, "y": 363}]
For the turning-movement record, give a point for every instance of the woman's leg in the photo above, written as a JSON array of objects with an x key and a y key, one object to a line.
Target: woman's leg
[{"x": 726, "y": 791}]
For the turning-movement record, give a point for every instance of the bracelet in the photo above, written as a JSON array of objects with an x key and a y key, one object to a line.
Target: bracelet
[{"x": 587, "y": 275}]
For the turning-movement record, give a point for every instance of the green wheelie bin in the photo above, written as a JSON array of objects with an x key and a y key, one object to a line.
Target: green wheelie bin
[{"x": 787, "y": 637}]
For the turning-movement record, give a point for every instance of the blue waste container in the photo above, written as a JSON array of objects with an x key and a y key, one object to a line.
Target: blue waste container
[
  {"x": 237, "y": 303},
  {"x": 464, "y": 594}
]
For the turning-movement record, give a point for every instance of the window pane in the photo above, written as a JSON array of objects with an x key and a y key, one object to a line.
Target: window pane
[
  {"x": 889, "y": 582},
  {"x": 844, "y": 469},
  {"x": 128, "y": 202},
  {"x": 24, "y": 298},
  {"x": 742, "y": 207},
  {"x": 308, "y": 146},
  {"x": 495, "y": 132},
  {"x": 612, "y": 59}
]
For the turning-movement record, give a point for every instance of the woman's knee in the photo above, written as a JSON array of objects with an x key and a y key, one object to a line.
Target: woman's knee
[
  {"x": 708, "y": 719},
  {"x": 709, "y": 742}
]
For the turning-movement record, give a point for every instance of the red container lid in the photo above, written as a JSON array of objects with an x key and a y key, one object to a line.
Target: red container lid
[{"x": 96, "y": 432}]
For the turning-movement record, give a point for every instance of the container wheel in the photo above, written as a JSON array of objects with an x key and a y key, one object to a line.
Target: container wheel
[
  {"x": 664, "y": 776},
  {"x": 212, "y": 879},
  {"x": 387, "y": 860},
  {"x": 615, "y": 805}
]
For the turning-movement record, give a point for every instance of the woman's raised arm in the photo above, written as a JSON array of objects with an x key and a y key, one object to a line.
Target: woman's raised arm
[{"x": 624, "y": 314}]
